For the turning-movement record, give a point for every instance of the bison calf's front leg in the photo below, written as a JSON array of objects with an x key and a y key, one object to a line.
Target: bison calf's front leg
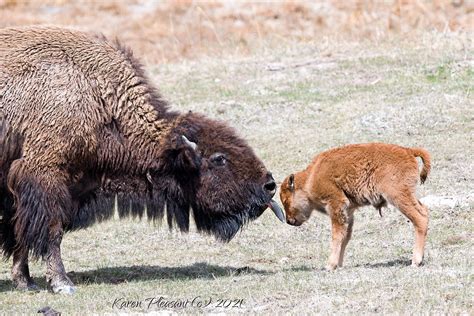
[
  {"x": 341, "y": 231},
  {"x": 347, "y": 236}
]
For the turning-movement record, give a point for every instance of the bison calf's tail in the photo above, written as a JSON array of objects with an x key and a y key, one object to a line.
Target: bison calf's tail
[{"x": 425, "y": 157}]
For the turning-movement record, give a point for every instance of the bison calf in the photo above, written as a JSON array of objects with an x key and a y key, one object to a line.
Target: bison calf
[{"x": 340, "y": 180}]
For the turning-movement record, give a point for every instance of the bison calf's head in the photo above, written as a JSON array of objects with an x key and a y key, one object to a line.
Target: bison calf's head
[
  {"x": 217, "y": 175},
  {"x": 295, "y": 200}
]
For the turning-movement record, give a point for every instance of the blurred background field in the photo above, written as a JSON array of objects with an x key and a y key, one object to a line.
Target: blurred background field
[
  {"x": 163, "y": 31},
  {"x": 293, "y": 78}
]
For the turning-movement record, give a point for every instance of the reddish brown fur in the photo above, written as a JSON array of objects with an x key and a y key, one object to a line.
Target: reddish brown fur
[{"x": 340, "y": 180}]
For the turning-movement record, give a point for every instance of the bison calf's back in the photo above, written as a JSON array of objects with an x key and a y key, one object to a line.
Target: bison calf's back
[{"x": 340, "y": 180}]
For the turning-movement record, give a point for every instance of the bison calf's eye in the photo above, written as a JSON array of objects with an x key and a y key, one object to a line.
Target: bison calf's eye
[{"x": 218, "y": 159}]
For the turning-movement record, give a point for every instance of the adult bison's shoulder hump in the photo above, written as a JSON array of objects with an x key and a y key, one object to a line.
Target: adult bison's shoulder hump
[
  {"x": 26, "y": 49},
  {"x": 75, "y": 61},
  {"x": 50, "y": 76}
]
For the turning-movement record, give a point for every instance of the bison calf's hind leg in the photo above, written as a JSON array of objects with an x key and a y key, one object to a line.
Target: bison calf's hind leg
[
  {"x": 21, "y": 272},
  {"x": 417, "y": 213}
]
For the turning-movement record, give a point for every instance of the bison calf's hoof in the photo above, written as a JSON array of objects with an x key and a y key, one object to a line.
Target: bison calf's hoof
[
  {"x": 331, "y": 267},
  {"x": 416, "y": 263}
]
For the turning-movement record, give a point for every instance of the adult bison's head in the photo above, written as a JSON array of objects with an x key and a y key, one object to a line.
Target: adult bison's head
[{"x": 207, "y": 168}]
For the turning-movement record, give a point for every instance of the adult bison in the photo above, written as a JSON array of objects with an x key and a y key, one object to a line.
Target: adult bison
[{"x": 81, "y": 126}]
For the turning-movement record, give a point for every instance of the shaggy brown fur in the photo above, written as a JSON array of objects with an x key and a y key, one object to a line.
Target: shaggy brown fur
[
  {"x": 82, "y": 125},
  {"x": 340, "y": 180}
]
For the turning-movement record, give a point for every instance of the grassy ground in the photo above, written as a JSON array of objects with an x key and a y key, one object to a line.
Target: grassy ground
[{"x": 292, "y": 102}]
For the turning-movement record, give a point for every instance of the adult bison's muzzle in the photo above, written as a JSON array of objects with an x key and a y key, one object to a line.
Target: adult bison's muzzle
[
  {"x": 226, "y": 183},
  {"x": 270, "y": 188}
]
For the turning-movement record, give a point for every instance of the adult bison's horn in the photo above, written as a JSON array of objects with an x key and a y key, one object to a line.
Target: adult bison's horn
[
  {"x": 189, "y": 143},
  {"x": 149, "y": 177},
  {"x": 277, "y": 210}
]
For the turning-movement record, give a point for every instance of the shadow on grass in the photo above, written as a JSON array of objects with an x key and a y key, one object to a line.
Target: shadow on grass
[
  {"x": 301, "y": 268},
  {"x": 388, "y": 264},
  {"x": 117, "y": 275},
  {"x": 200, "y": 270}
]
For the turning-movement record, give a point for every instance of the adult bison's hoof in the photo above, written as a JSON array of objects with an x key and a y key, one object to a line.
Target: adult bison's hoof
[
  {"x": 32, "y": 287},
  {"x": 24, "y": 282},
  {"x": 62, "y": 286},
  {"x": 29, "y": 286},
  {"x": 63, "y": 289}
]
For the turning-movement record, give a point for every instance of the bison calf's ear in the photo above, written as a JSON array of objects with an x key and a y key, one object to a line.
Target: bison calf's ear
[{"x": 291, "y": 182}]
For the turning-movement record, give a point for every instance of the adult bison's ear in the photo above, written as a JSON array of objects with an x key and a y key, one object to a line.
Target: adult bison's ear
[
  {"x": 187, "y": 155},
  {"x": 291, "y": 182}
]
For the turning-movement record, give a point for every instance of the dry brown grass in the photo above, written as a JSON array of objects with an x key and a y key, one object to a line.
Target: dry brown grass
[{"x": 169, "y": 31}]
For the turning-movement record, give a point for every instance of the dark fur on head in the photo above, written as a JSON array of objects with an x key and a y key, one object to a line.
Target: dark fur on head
[{"x": 222, "y": 179}]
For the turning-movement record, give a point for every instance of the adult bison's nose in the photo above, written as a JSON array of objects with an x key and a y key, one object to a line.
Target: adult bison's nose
[{"x": 270, "y": 187}]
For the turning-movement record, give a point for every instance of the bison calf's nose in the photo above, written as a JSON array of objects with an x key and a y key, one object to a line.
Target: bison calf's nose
[
  {"x": 291, "y": 221},
  {"x": 270, "y": 187}
]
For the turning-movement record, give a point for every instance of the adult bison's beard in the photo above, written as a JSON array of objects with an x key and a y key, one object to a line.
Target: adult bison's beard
[
  {"x": 219, "y": 215},
  {"x": 225, "y": 219}
]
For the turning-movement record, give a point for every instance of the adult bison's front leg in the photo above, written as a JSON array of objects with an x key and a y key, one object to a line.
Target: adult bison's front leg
[
  {"x": 56, "y": 274},
  {"x": 43, "y": 206}
]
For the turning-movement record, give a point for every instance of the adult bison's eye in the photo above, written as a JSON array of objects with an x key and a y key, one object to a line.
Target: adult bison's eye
[{"x": 218, "y": 159}]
